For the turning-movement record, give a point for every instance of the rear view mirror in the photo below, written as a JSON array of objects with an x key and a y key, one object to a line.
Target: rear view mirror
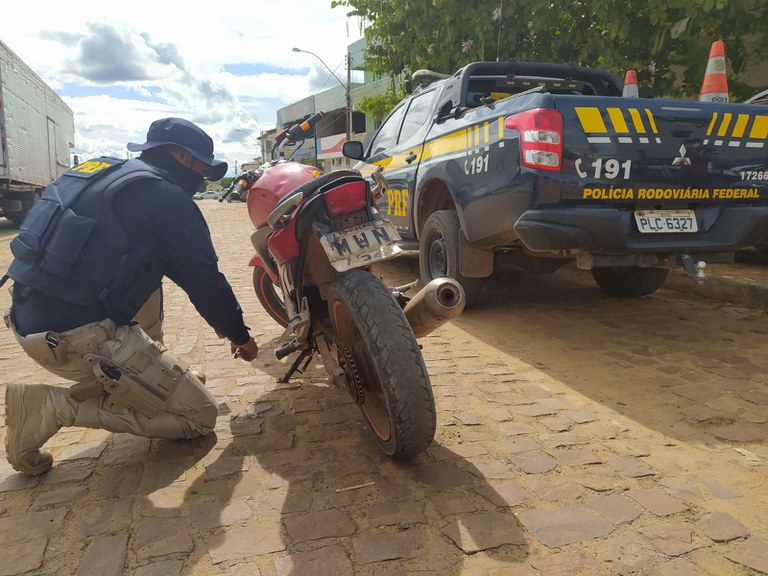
[{"x": 353, "y": 149}]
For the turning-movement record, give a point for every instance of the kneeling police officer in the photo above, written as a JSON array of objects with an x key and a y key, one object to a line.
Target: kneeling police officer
[{"x": 88, "y": 266}]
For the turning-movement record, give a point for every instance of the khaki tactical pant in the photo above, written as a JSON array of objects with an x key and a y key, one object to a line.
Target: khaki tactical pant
[
  {"x": 150, "y": 316},
  {"x": 125, "y": 382}
]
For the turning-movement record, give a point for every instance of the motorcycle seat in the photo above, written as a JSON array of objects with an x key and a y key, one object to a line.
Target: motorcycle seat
[{"x": 289, "y": 203}]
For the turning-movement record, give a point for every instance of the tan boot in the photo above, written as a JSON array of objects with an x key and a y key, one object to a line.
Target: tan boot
[{"x": 32, "y": 415}]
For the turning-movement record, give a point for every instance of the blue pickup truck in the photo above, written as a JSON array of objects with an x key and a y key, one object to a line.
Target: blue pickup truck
[{"x": 543, "y": 164}]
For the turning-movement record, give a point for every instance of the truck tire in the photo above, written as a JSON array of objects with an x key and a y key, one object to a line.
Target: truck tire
[
  {"x": 17, "y": 218},
  {"x": 26, "y": 205},
  {"x": 629, "y": 281},
  {"x": 439, "y": 248}
]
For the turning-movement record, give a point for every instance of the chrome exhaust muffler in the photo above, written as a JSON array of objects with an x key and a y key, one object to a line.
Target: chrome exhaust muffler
[{"x": 438, "y": 302}]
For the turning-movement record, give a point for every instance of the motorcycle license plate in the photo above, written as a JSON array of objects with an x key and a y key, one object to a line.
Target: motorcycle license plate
[
  {"x": 661, "y": 221},
  {"x": 361, "y": 245}
]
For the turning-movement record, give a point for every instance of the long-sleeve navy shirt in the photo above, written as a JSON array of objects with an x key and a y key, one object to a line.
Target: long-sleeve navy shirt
[{"x": 163, "y": 211}]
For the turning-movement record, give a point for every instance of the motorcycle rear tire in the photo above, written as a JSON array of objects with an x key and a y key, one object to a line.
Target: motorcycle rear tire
[
  {"x": 383, "y": 364},
  {"x": 270, "y": 296}
]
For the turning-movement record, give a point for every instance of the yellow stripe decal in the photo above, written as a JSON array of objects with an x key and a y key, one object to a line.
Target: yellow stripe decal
[
  {"x": 617, "y": 119},
  {"x": 591, "y": 120},
  {"x": 759, "y": 127},
  {"x": 501, "y": 127},
  {"x": 651, "y": 121},
  {"x": 487, "y": 129},
  {"x": 741, "y": 125},
  {"x": 450, "y": 143},
  {"x": 637, "y": 120},
  {"x": 712, "y": 124},
  {"x": 724, "y": 126}
]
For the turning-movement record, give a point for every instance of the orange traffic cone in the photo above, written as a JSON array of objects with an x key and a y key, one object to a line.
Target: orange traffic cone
[
  {"x": 630, "y": 85},
  {"x": 715, "y": 85}
]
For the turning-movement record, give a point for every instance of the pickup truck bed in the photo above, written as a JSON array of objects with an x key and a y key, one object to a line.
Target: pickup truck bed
[{"x": 543, "y": 164}]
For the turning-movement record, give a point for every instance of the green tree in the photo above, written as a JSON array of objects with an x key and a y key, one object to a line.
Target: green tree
[
  {"x": 377, "y": 107},
  {"x": 666, "y": 41}
]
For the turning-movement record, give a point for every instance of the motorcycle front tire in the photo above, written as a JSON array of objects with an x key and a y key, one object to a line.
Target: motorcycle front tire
[
  {"x": 270, "y": 296},
  {"x": 383, "y": 364}
]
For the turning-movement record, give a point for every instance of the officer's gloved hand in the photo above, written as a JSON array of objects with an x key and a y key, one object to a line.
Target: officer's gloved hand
[{"x": 247, "y": 351}]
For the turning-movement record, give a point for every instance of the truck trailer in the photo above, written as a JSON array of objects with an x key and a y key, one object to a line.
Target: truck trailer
[{"x": 36, "y": 133}]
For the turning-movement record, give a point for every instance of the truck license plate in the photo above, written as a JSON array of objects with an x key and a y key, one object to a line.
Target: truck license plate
[
  {"x": 361, "y": 245},
  {"x": 665, "y": 221}
]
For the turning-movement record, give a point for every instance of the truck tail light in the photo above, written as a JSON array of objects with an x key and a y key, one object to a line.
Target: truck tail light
[
  {"x": 346, "y": 198},
  {"x": 541, "y": 137}
]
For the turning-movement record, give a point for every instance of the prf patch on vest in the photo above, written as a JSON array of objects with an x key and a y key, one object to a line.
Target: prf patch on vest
[{"x": 91, "y": 168}]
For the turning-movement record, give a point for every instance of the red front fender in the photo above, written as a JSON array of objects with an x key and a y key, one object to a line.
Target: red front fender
[{"x": 257, "y": 261}]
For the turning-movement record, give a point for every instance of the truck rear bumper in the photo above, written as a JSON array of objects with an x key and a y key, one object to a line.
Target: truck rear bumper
[{"x": 613, "y": 231}]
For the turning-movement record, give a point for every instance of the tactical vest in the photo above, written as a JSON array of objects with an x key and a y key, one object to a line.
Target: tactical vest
[{"x": 73, "y": 248}]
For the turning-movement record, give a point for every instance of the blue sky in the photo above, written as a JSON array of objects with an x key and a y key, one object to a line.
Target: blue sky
[{"x": 228, "y": 69}]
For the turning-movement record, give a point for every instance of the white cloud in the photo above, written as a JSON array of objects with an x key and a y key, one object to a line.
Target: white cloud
[{"x": 228, "y": 68}]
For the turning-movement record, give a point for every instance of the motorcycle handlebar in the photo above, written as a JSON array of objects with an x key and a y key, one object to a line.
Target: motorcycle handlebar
[
  {"x": 298, "y": 131},
  {"x": 280, "y": 137},
  {"x": 239, "y": 184},
  {"x": 295, "y": 133}
]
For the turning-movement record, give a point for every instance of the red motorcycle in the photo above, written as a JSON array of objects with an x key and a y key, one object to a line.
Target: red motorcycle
[{"x": 316, "y": 238}]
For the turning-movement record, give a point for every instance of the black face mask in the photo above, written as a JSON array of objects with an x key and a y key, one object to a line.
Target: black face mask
[{"x": 185, "y": 177}]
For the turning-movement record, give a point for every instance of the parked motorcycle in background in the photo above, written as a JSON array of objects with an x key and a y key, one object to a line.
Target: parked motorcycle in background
[{"x": 316, "y": 238}]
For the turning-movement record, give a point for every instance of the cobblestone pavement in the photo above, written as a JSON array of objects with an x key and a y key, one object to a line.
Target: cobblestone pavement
[{"x": 576, "y": 435}]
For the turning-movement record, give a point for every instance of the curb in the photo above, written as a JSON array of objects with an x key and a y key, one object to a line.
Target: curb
[
  {"x": 741, "y": 290},
  {"x": 738, "y": 283}
]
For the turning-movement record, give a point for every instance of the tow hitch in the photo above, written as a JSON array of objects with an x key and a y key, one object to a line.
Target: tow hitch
[{"x": 693, "y": 270}]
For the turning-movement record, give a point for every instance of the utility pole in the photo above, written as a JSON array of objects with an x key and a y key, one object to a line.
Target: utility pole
[{"x": 349, "y": 97}]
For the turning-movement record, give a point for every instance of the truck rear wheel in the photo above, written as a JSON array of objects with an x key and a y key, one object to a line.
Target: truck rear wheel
[
  {"x": 17, "y": 218},
  {"x": 439, "y": 249},
  {"x": 629, "y": 281},
  {"x": 26, "y": 205}
]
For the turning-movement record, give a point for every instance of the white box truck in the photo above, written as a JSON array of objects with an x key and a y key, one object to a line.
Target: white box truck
[{"x": 37, "y": 130}]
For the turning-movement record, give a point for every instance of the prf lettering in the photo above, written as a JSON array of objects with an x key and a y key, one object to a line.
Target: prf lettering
[
  {"x": 397, "y": 202},
  {"x": 670, "y": 194},
  {"x": 91, "y": 166}
]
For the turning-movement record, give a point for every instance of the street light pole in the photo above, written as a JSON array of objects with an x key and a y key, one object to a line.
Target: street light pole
[
  {"x": 349, "y": 98},
  {"x": 347, "y": 92},
  {"x": 248, "y": 134}
]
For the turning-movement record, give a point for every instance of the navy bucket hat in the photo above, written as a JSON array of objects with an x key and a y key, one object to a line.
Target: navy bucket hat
[{"x": 187, "y": 135}]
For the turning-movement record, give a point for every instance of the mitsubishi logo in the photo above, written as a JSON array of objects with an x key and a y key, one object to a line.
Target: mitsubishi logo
[{"x": 682, "y": 160}]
